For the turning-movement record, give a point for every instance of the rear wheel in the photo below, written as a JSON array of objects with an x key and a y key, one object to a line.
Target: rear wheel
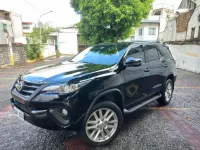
[
  {"x": 102, "y": 124},
  {"x": 167, "y": 93}
]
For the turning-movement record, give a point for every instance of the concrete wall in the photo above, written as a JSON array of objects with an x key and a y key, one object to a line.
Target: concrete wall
[
  {"x": 145, "y": 32},
  {"x": 17, "y": 25},
  {"x": 171, "y": 34},
  {"x": 4, "y": 55},
  {"x": 19, "y": 54},
  {"x": 187, "y": 57},
  {"x": 49, "y": 51},
  {"x": 68, "y": 41}
]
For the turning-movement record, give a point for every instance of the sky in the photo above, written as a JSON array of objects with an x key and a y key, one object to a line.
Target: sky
[{"x": 62, "y": 15}]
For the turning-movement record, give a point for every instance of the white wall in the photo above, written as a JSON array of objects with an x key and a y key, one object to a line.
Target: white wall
[
  {"x": 68, "y": 41},
  {"x": 17, "y": 25},
  {"x": 145, "y": 32},
  {"x": 163, "y": 18},
  {"x": 49, "y": 51},
  {"x": 187, "y": 57},
  {"x": 3, "y": 35}
]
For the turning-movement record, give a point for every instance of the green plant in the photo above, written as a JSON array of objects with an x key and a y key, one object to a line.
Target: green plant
[
  {"x": 33, "y": 47},
  {"x": 109, "y": 20}
]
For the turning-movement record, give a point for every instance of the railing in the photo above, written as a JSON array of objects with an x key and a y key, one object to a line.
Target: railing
[
  {"x": 163, "y": 5},
  {"x": 5, "y": 18}
]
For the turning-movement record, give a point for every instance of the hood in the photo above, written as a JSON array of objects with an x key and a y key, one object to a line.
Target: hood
[{"x": 64, "y": 72}]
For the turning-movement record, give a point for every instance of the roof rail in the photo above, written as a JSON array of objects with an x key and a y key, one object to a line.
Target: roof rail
[{"x": 146, "y": 41}]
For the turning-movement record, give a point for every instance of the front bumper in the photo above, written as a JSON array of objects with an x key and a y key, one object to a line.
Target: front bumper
[{"x": 50, "y": 118}]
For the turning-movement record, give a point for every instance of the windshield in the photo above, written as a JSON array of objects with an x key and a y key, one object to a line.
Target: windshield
[{"x": 102, "y": 54}]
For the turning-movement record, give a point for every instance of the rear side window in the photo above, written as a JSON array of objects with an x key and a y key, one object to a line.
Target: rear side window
[
  {"x": 152, "y": 53},
  {"x": 167, "y": 52}
]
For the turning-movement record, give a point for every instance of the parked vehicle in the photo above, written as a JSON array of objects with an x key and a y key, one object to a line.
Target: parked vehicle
[{"x": 95, "y": 89}]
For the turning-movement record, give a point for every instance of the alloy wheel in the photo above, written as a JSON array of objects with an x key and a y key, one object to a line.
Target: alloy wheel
[
  {"x": 101, "y": 125},
  {"x": 168, "y": 91}
]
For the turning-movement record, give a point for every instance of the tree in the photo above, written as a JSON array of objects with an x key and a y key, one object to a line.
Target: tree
[
  {"x": 109, "y": 20},
  {"x": 35, "y": 34},
  {"x": 33, "y": 47}
]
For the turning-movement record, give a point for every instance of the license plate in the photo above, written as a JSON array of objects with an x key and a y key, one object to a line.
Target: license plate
[{"x": 19, "y": 113}]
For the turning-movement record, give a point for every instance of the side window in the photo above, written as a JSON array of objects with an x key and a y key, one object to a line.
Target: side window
[
  {"x": 137, "y": 52},
  {"x": 153, "y": 53}
]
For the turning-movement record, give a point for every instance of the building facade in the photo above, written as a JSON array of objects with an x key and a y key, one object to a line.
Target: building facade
[
  {"x": 27, "y": 27},
  {"x": 148, "y": 30},
  {"x": 185, "y": 24},
  {"x": 152, "y": 28},
  {"x": 182, "y": 35},
  {"x": 10, "y": 27}
]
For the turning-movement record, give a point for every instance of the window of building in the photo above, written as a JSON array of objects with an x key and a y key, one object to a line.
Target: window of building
[
  {"x": 4, "y": 26},
  {"x": 140, "y": 31},
  {"x": 153, "y": 53},
  {"x": 199, "y": 18},
  {"x": 152, "y": 31},
  {"x": 157, "y": 13},
  {"x": 192, "y": 33},
  {"x": 199, "y": 33},
  {"x": 26, "y": 27},
  {"x": 137, "y": 52}
]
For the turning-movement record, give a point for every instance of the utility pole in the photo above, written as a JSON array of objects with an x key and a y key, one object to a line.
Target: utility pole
[
  {"x": 40, "y": 24},
  {"x": 9, "y": 41}
]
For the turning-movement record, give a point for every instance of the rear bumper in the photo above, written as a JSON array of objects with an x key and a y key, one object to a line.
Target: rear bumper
[{"x": 50, "y": 118}]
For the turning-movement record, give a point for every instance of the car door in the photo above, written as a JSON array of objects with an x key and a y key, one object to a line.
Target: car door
[
  {"x": 136, "y": 78},
  {"x": 157, "y": 67}
]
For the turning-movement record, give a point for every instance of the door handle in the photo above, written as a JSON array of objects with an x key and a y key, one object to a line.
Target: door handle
[
  {"x": 147, "y": 70},
  {"x": 165, "y": 65}
]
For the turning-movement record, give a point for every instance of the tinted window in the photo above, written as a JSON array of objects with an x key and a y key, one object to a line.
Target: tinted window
[
  {"x": 102, "y": 54},
  {"x": 167, "y": 52},
  {"x": 153, "y": 53},
  {"x": 136, "y": 52}
]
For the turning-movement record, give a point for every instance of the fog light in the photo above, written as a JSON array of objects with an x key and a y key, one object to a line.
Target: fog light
[{"x": 64, "y": 112}]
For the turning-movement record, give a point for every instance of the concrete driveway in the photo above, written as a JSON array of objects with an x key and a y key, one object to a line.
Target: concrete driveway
[{"x": 176, "y": 126}]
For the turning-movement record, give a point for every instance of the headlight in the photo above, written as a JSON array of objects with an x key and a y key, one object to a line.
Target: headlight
[{"x": 64, "y": 88}]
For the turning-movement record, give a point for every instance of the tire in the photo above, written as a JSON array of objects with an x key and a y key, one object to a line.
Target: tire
[
  {"x": 101, "y": 128},
  {"x": 166, "y": 96}
]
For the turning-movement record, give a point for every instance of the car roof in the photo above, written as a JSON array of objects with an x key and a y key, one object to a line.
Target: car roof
[{"x": 134, "y": 43}]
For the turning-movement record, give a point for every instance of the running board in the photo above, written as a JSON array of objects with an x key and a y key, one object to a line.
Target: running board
[{"x": 142, "y": 104}]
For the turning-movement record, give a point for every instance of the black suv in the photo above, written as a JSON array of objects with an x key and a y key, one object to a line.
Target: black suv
[{"x": 96, "y": 88}]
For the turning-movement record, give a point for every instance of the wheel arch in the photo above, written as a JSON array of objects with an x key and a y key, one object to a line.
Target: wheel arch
[
  {"x": 116, "y": 96},
  {"x": 171, "y": 76}
]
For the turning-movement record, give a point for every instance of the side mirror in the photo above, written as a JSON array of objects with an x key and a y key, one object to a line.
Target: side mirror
[{"x": 135, "y": 62}]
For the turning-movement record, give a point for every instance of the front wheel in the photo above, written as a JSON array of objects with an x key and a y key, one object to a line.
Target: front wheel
[
  {"x": 102, "y": 124},
  {"x": 167, "y": 93}
]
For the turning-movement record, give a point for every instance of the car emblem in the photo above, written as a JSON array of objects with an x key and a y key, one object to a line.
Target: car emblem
[{"x": 19, "y": 86}]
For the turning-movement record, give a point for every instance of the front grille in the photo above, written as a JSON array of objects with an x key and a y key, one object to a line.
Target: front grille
[{"x": 29, "y": 88}]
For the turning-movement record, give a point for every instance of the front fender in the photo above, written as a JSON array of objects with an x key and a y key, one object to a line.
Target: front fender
[{"x": 103, "y": 94}]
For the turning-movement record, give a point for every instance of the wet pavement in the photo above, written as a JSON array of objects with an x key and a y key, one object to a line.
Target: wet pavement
[{"x": 176, "y": 126}]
